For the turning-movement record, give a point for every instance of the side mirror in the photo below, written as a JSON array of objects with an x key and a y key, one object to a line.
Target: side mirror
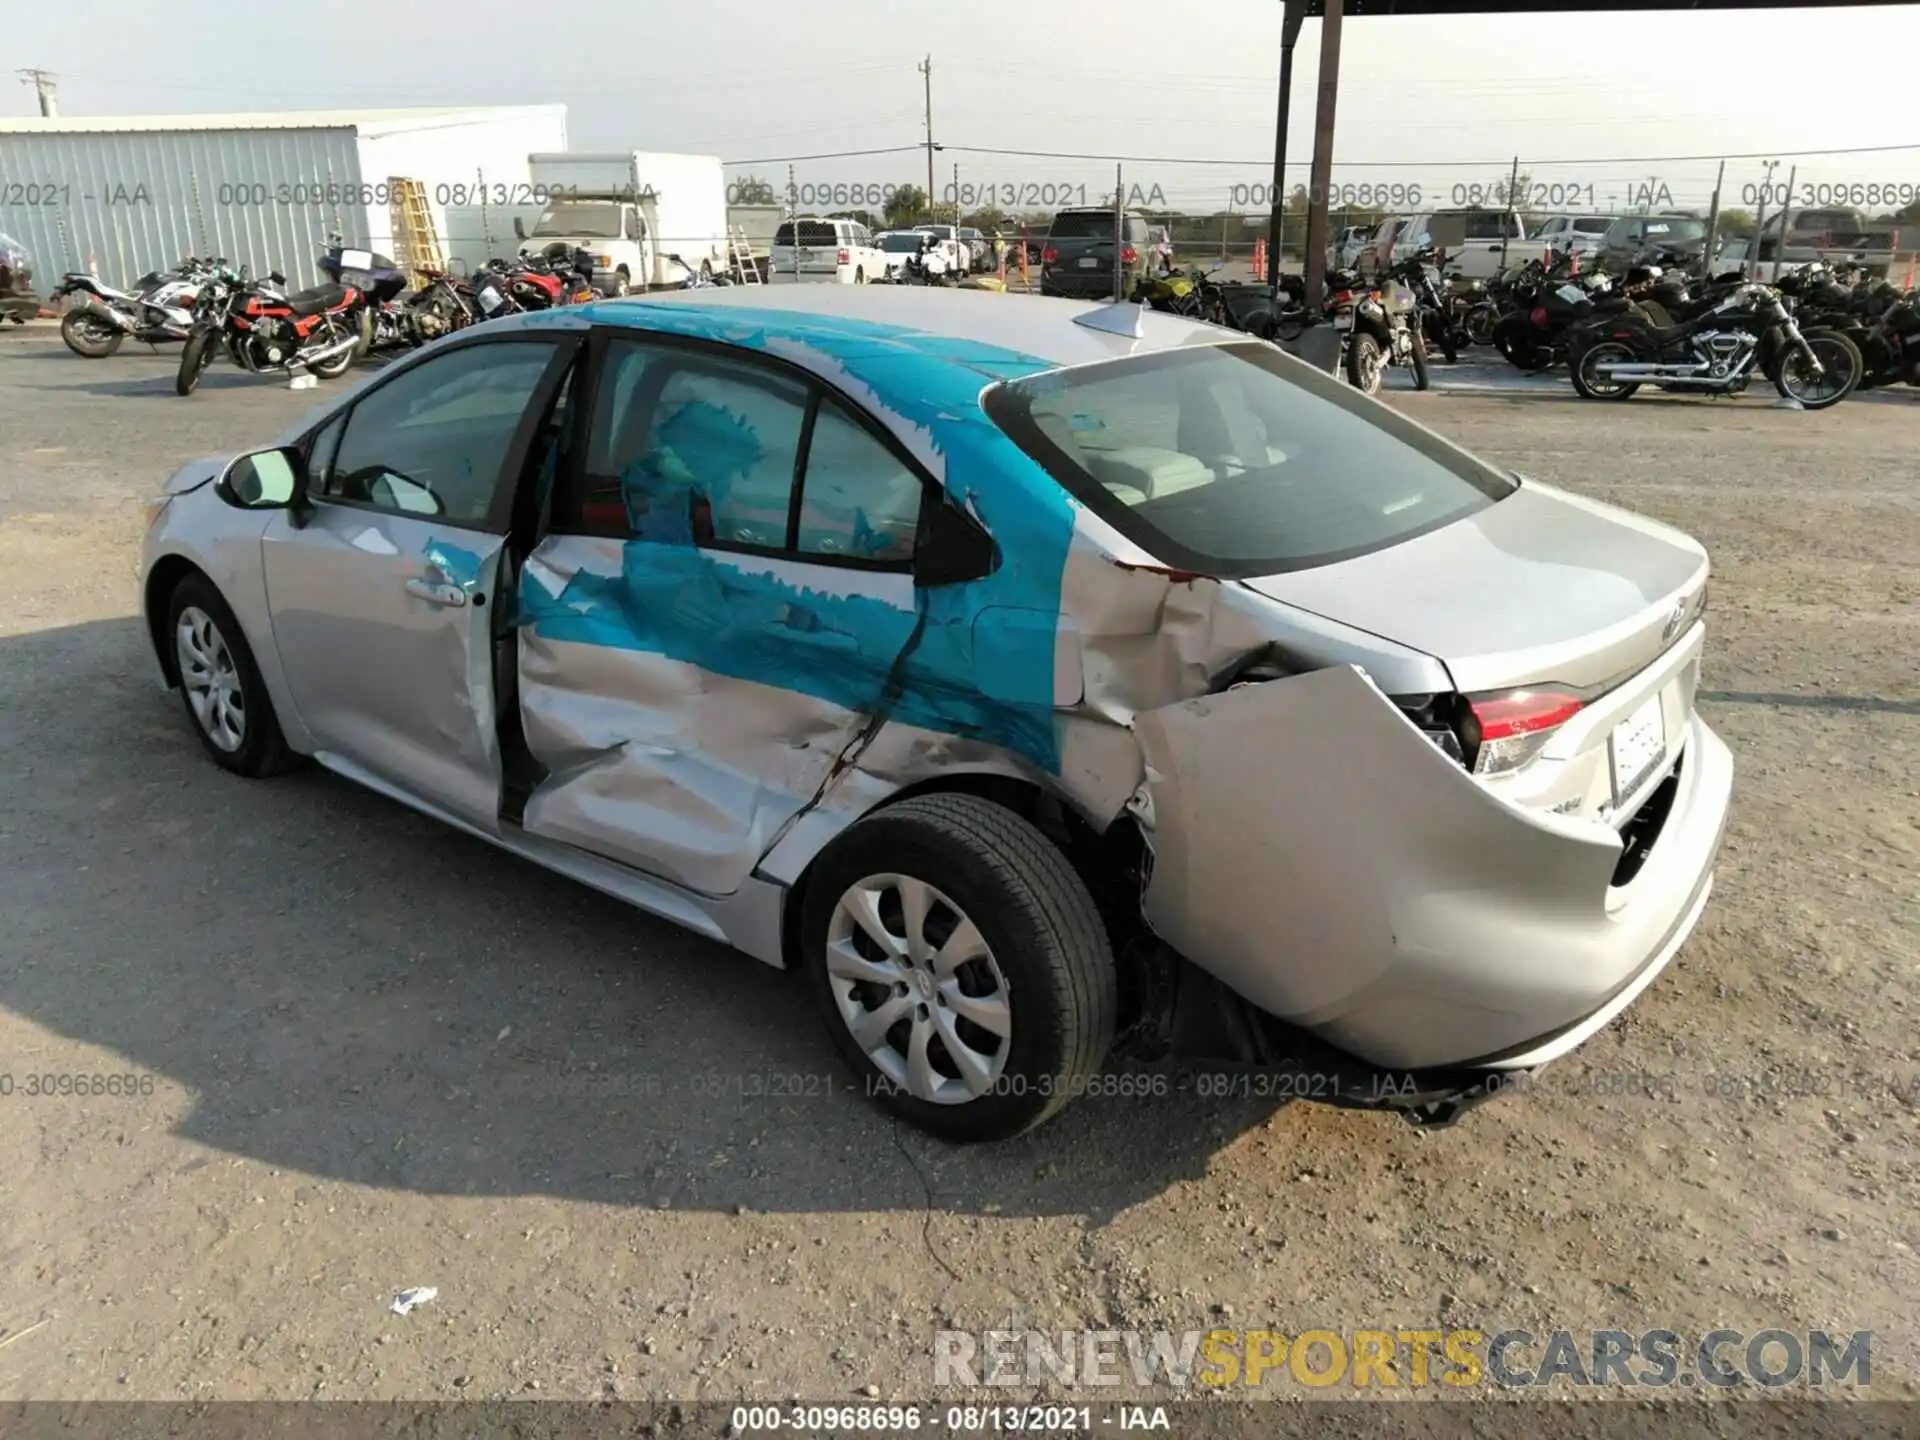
[
  {"x": 264, "y": 480},
  {"x": 519, "y": 228},
  {"x": 952, "y": 548}
]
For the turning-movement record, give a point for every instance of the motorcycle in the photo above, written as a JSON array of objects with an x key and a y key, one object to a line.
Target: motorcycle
[
  {"x": 1437, "y": 319},
  {"x": 18, "y": 303},
  {"x": 446, "y": 303},
  {"x": 929, "y": 265},
  {"x": 158, "y": 310},
  {"x": 1548, "y": 302},
  {"x": 385, "y": 326},
  {"x": 1747, "y": 330},
  {"x": 262, "y": 328},
  {"x": 1879, "y": 319},
  {"x": 1377, "y": 329}
]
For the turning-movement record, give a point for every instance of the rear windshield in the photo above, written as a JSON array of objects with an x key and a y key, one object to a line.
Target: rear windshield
[
  {"x": 1826, "y": 220},
  {"x": 1083, "y": 225},
  {"x": 1592, "y": 224},
  {"x": 902, "y": 243},
  {"x": 1670, "y": 229},
  {"x": 1236, "y": 460},
  {"x": 812, "y": 232}
]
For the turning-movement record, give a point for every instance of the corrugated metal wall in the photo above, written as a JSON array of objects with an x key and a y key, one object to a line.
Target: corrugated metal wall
[{"x": 140, "y": 200}]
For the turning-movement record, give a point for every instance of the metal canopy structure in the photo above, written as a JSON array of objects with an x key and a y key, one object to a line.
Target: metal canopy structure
[{"x": 1332, "y": 12}]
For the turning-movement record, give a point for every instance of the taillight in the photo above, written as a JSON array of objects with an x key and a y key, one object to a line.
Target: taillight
[
  {"x": 1345, "y": 297},
  {"x": 1515, "y": 727},
  {"x": 1129, "y": 255},
  {"x": 1049, "y": 255},
  {"x": 846, "y": 258},
  {"x": 1539, "y": 315}
]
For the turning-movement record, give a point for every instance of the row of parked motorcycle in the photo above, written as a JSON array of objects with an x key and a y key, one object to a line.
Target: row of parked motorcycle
[
  {"x": 1818, "y": 333},
  {"x": 365, "y": 308}
]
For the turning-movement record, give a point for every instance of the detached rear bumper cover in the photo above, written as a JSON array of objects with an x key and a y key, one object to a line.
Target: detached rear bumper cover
[{"x": 1323, "y": 859}]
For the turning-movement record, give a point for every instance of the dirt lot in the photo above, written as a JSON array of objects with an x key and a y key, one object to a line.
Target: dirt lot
[{"x": 337, "y": 1007}]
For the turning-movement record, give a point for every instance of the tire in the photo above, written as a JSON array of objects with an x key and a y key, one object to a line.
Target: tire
[
  {"x": 622, "y": 283},
  {"x": 201, "y": 627},
  {"x": 1480, "y": 325},
  {"x": 1591, "y": 388},
  {"x": 1364, "y": 363},
  {"x": 1421, "y": 380},
  {"x": 87, "y": 335},
  {"x": 1449, "y": 341},
  {"x": 195, "y": 356},
  {"x": 1834, "y": 351},
  {"x": 1044, "y": 957},
  {"x": 336, "y": 367}
]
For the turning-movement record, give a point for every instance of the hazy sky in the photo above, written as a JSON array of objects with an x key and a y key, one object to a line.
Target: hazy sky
[{"x": 761, "y": 80}]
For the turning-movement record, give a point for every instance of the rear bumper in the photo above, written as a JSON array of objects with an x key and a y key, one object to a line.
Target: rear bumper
[
  {"x": 1387, "y": 903},
  {"x": 1082, "y": 284}
]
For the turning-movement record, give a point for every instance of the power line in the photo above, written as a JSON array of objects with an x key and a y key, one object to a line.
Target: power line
[
  {"x": 1430, "y": 164},
  {"x": 830, "y": 155}
]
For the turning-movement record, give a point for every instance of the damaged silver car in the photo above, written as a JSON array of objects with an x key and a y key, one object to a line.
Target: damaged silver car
[{"x": 1041, "y": 680}]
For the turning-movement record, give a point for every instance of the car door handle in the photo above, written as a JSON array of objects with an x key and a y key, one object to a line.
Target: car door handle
[{"x": 441, "y": 594}]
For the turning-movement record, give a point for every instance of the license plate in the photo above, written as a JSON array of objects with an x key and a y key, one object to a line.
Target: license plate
[
  {"x": 1638, "y": 745},
  {"x": 1343, "y": 322},
  {"x": 803, "y": 256},
  {"x": 1089, "y": 262}
]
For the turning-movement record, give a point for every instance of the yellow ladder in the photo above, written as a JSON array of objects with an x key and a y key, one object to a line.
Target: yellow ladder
[
  {"x": 740, "y": 256},
  {"x": 413, "y": 233}
]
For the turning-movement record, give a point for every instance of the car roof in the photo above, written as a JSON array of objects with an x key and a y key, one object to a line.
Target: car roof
[{"x": 862, "y": 326}]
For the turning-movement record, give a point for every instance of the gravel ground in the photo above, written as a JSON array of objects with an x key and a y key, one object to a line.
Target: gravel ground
[{"x": 335, "y": 1007}]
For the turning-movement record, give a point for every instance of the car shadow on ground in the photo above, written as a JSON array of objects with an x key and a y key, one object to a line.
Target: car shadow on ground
[{"x": 320, "y": 979}]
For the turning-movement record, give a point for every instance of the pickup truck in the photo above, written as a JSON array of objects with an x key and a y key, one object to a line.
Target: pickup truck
[{"x": 651, "y": 221}]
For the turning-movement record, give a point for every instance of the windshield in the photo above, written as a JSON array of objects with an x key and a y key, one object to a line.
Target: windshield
[
  {"x": 1667, "y": 231},
  {"x": 818, "y": 233},
  {"x": 583, "y": 220},
  {"x": 1592, "y": 224},
  {"x": 902, "y": 242},
  {"x": 1083, "y": 225},
  {"x": 1236, "y": 460}
]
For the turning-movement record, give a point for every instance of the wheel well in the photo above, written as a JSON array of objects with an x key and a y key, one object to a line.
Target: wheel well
[
  {"x": 1111, "y": 862},
  {"x": 167, "y": 573}
]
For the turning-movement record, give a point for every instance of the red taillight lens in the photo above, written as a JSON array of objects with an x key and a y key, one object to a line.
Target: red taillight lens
[
  {"x": 1539, "y": 315},
  {"x": 1049, "y": 255},
  {"x": 1345, "y": 297},
  {"x": 1516, "y": 727},
  {"x": 846, "y": 257},
  {"x": 1129, "y": 255}
]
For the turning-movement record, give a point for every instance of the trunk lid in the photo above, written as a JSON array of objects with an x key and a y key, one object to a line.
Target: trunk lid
[{"x": 1543, "y": 587}]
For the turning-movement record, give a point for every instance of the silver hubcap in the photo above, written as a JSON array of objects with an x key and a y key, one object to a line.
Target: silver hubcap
[
  {"x": 918, "y": 989},
  {"x": 208, "y": 676}
]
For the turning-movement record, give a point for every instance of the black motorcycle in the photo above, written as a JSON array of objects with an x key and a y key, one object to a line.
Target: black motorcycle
[
  {"x": 1746, "y": 332},
  {"x": 1546, "y": 303},
  {"x": 1440, "y": 323}
]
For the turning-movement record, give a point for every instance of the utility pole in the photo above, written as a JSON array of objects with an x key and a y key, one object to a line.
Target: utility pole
[
  {"x": 926, "y": 69},
  {"x": 45, "y": 87},
  {"x": 1713, "y": 223},
  {"x": 1291, "y": 17},
  {"x": 1320, "y": 175},
  {"x": 1752, "y": 262}
]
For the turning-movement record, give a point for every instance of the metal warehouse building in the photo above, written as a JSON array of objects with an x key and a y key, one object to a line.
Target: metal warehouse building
[{"x": 126, "y": 194}]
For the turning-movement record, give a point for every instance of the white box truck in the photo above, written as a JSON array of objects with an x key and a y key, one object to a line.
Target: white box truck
[{"x": 650, "y": 221}]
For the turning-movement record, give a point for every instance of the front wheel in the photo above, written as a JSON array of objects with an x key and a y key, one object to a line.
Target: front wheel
[
  {"x": 1364, "y": 363},
  {"x": 1841, "y": 367},
  {"x": 961, "y": 966},
  {"x": 1421, "y": 379},
  {"x": 1592, "y": 385},
  {"x": 195, "y": 356},
  {"x": 622, "y": 284},
  {"x": 226, "y": 700},
  {"x": 88, "y": 335}
]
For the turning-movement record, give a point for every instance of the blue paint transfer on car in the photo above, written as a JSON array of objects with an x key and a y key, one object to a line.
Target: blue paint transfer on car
[{"x": 729, "y": 614}]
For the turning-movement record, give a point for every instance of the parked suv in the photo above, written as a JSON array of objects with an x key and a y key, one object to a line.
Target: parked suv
[
  {"x": 1573, "y": 234},
  {"x": 1493, "y": 238},
  {"x": 1631, "y": 236},
  {"x": 1077, "y": 260},
  {"x": 828, "y": 250}
]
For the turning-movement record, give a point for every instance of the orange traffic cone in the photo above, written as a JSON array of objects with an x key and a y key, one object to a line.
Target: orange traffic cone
[
  {"x": 1260, "y": 258},
  {"x": 1576, "y": 262}
]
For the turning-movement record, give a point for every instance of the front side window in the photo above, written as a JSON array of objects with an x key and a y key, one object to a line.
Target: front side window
[
  {"x": 1235, "y": 461},
  {"x": 433, "y": 441}
]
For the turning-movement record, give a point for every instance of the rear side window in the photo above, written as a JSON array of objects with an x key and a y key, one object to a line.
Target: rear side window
[
  {"x": 1486, "y": 225},
  {"x": 858, "y": 501},
  {"x": 1592, "y": 225},
  {"x": 1235, "y": 460}
]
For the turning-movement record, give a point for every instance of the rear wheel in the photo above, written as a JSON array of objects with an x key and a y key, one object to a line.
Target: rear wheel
[
  {"x": 1591, "y": 384},
  {"x": 622, "y": 283},
  {"x": 338, "y": 365},
  {"x": 87, "y": 334},
  {"x": 195, "y": 356},
  {"x": 1840, "y": 370},
  {"x": 1364, "y": 363},
  {"x": 961, "y": 966}
]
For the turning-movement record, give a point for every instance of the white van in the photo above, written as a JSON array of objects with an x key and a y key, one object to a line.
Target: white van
[
  {"x": 820, "y": 249},
  {"x": 1489, "y": 235}
]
